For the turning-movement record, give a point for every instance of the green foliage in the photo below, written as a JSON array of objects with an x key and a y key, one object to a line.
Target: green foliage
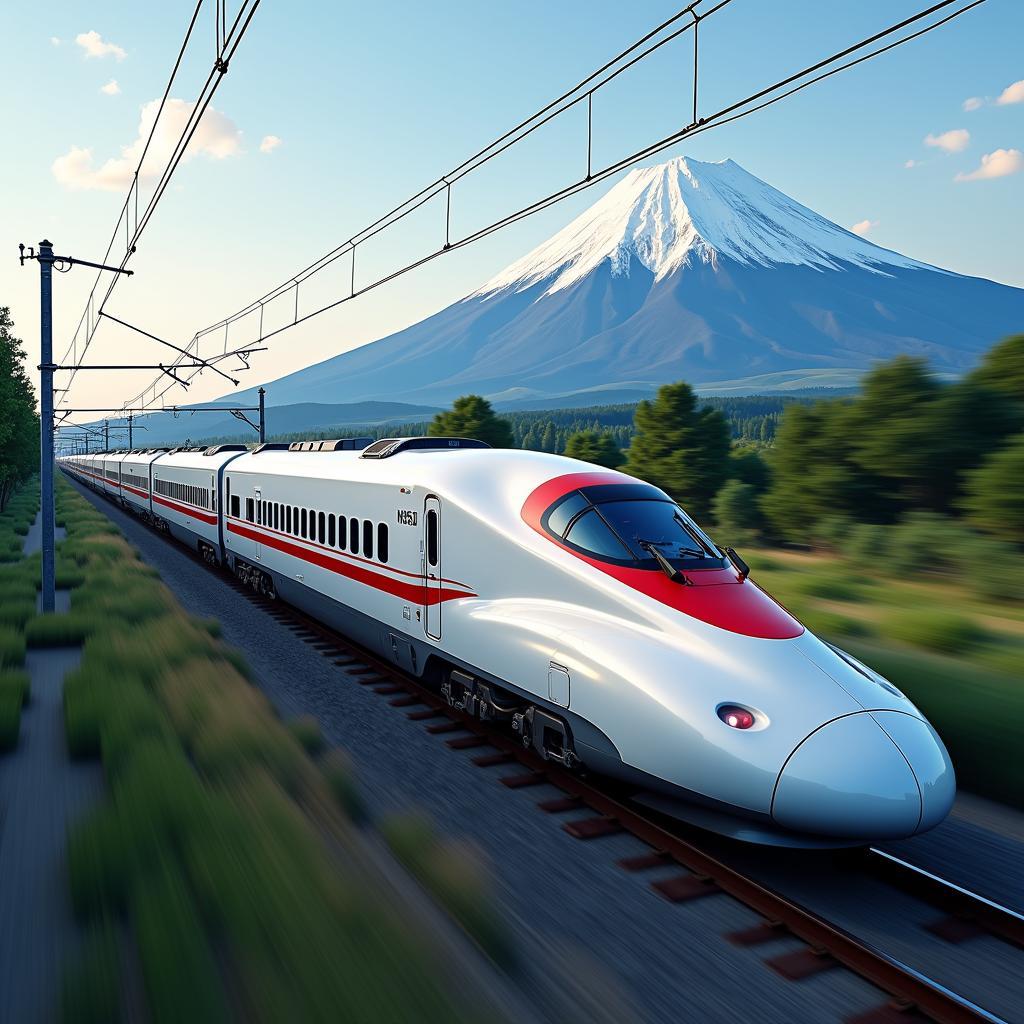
[
  {"x": 866, "y": 545},
  {"x": 19, "y": 426},
  {"x": 1001, "y": 373},
  {"x": 182, "y": 979},
  {"x": 306, "y": 730},
  {"x": 829, "y": 586},
  {"x": 455, "y": 874},
  {"x": 472, "y": 416},
  {"x": 747, "y": 465},
  {"x": 736, "y": 512},
  {"x": 594, "y": 446},
  {"x": 995, "y": 491},
  {"x": 58, "y": 630},
  {"x": 680, "y": 448},
  {"x": 12, "y": 647},
  {"x": 933, "y": 629},
  {"x": 91, "y": 993},
  {"x": 340, "y": 776},
  {"x": 832, "y": 625}
]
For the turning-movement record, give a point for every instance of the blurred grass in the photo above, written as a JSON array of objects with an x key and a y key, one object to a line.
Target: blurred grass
[{"x": 212, "y": 844}]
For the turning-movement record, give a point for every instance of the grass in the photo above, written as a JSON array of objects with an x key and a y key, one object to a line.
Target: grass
[
  {"x": 934, "y": 629},
  {"x": 55, "y": 629},
  {"x": 211, "y": 845},
  {"x": 455, "y": 874},
  {"x": 12, "y": 647}
]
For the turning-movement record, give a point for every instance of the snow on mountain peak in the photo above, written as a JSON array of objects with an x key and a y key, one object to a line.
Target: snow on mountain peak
[{"x": 673, "y": 214}]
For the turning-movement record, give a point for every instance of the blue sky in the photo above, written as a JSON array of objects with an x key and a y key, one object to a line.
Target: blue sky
[{"x": 371, "y": 103}]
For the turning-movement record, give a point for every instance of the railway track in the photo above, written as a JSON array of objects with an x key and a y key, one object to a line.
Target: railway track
[{"x": 589, "y": 810}]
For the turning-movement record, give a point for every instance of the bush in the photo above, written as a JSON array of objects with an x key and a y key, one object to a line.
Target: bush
[
  {"x": 16, "y": 613},
  {"x": 182, "y": 979},
  {"x": 928, "y": 543},
  {"x": 827, "y": 586},
  {"x": 454, "y": 873},
  {"x": 995, "y": 492},
  {"x": 16, "y": 682},
  {"x": 91, "y": 992},
  {"x": 306, "y": 729},
  {"x": 933, "y": 629},
  {"x": 58, "y": 630},
  {"x": 10, "y": 719},
  {"x": 829, "y": 624},
  {"x": 12, "y": 647},
  {"x": 867, "y": 544},
  {"x": 339, "y": 773}
]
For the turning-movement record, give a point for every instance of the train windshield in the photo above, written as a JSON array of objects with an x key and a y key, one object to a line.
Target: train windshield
[
  {"x": 642, "y": 524},
  {"x": 618, "y": 524}
]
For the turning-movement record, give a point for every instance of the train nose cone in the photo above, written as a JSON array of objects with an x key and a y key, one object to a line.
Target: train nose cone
[
  {"x": 921, "y": 746},
  {"x": 848, "y": 779}
]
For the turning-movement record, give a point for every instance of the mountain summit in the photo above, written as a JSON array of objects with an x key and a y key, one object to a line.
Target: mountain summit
[
  {"x": 685, "y": 212},
  {"x": 685, "y": 270}
]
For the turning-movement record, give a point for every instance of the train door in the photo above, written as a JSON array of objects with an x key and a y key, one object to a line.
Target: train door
[
  {"x": 432, "y": 567},
  {"x": 259, "y": 522}
]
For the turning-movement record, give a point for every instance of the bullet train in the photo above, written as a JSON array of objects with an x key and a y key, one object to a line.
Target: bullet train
[{"x": 580, "y": 606}]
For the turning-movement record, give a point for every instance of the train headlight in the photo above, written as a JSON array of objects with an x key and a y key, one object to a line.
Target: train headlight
[{"x": 736, "y": 717}]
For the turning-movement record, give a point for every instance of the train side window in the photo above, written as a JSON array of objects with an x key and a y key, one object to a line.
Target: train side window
[
  {"x": 235, "y": 511},
  {"x": 330, "y": 530},
  {"x": 277, "y": 515},
  {"x": 303, "y": 514},
  {"x": 295, "y": 520},
  {"x": 249, "y": 510},
  {"x": 353, "y": 536},
  {"x": 321, "y": 527},
  {"x": 368, "y": 538},
  {"x": 287, "y": 519},
  {"x": 432, "y": 537},
  {"x": 342, "y": 532},
  {"x": 382, "y": 541},
  {"x": 259, "y": 513}
]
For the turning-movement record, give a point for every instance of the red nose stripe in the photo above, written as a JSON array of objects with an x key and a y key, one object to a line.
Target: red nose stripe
[{"x": 717, "y": 597}]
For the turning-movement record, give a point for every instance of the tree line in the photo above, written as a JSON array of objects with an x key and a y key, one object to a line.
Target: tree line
[{"x": 19, "y": 424}]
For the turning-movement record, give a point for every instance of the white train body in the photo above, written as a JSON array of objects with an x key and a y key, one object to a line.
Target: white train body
[{"x": 470, "y": 566}]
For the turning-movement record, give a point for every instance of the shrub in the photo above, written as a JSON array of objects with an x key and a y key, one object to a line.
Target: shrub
[
  {"x": 16, "y": 613},
  {"x": 57, "y": 630},
  {"x": 339, "y": 772},
  {"x": 928, "y": 543},
  {"x": 933, "y": 629},
  {"x": 16, "y": 682},
  {"x": 10, "y": 719},
  {"x": 867, "y": 544},
  {"x": 91, "y": 992},
  {"x": 306, "y": 729},
  {"x": 830, "y": 624},
  {"x": 181, "y": 974},
  {"x": 12, "y": 647},
  {"x": 830, "y": 587}
]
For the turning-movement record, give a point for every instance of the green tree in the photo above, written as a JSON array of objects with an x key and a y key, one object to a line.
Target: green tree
[
  {"x": 680, "y": 448},
  {"x": 995, "y": 493},
  {"x": 19, "y": 425},
  {"x": 596, "y": 446},
  {"x": 736, "y": 512},
  {"x": 813, "y": 472},
  {"x": 1002, "y": 372},
  {"x": 747, "y": 466},
  {"x": 472, "y": 416}
]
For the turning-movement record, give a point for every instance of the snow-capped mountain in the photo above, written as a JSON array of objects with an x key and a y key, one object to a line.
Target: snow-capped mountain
[{"x": 685, "y": 270}]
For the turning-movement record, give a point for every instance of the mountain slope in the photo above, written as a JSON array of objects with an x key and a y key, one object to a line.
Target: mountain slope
[{"x": 683, "y": 270}]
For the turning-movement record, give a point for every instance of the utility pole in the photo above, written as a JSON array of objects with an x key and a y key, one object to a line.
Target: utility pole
[
  {"x": 46, "y": 364},
  {"x": 46, "y": 367},
  {"x": 263, "y": 427},
  {"x": 130, "y": 444},
  {"x": 106, "y": 435}
]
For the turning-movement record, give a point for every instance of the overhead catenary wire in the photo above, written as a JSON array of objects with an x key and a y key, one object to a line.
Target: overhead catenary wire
[
  {"x": 733, "y": 112},
  {"x": 92, "y": 315}
]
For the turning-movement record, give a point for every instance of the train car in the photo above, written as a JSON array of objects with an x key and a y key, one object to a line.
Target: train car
[
  {"x": 590, "y": 611},
  {"x": 582, "y": 607},
  {"x": 184, "y": 495},
  {"x": 136, "y": 480}
]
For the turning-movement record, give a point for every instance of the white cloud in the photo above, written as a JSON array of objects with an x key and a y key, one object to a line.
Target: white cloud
[
  {"x": 973, "y": 103},
  {"x": 862, "y": 227},
  {"x": 54, "y": 41},
  {"x": 909, "y": 164},
  {"x": 952, "y": 141},
  {"x": 269, "y": 143},
  {"x": 217, "y": 136},
  {"x": 111, "y": 88},
  {"x": 1012, "y": 94},
  {"x": 94, "y": 46},
  {"x": 997, "y": 164}
]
